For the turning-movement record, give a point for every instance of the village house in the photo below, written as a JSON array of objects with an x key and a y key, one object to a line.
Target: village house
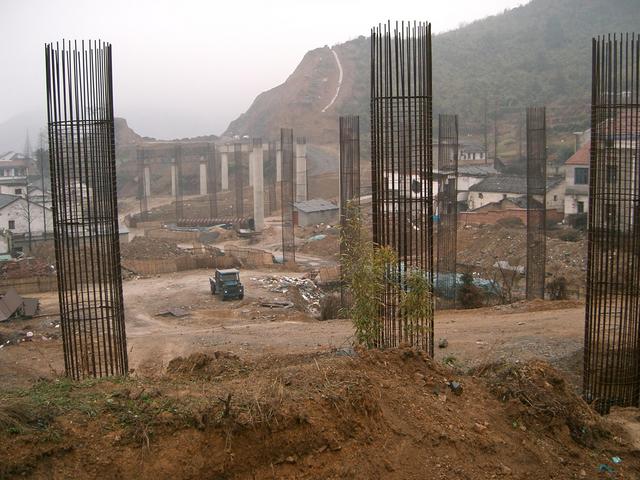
[
  {"x": 13, "y": 164},
  {"x": 471, "y": 152},
  {"x": 496, "y": 188},
  {"x": 576, "y": 168},
  {"x": 16, "y": 213}
]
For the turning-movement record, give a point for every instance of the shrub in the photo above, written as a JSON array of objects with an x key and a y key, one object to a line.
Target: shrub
[
  {"x": 570, "y": 236},
  {"x": 557, "y": 289},
  {"x": 330, "y": 307},
  {"x": 469, "y": 296}
]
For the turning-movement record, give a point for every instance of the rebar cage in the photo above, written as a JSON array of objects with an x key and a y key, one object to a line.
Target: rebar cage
[
  {"x": 238, "y": 175},
  {"x": 536, "y": 201},
  {"x": 349, "y": 182},
  {"x": 447, "y": 214},
  {"x": 288, "y": 194},
  {"x": 402, "y": 170},
  {"x": 612, "y": 319},
  {"x": 83, "y": 181}
]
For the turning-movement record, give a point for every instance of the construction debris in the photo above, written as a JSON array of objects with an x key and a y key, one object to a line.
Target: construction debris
[
  {"x": 308, "y": 291},
  {"x": 12, "y": 305},
  {"x": 173, "y": 312}
]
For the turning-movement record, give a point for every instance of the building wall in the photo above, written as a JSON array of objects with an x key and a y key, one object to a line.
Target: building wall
[
  {"x": 328, "y": 217},
  {"x": 555, "y": 197},
  {"x": 571, "y": 203},
  {"x": 17, "y": 211},
  {"x": 14, "y": 189},
  {"x": 479, "y": 199},
  {"x": 464, "y": 183}
]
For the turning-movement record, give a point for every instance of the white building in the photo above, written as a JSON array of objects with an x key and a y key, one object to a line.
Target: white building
[
  {"x": 16, "y": 212},
  {"x": 576, "y": 169},
  {"x": 14, "y": 165},
  {"x": 471, "y": 152},
  {"x": 469, "y": 175},
  {"x": 499, "y": 187}
]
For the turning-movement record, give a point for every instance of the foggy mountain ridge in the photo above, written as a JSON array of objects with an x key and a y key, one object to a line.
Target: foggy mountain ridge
[{"x": 539, "y": 53}]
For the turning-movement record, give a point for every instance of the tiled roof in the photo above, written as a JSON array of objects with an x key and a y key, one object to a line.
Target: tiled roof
[
  {"x": 581, "y": 157},
  {"x": 509, "y": 184},
  {"x": 7, "y": 199}
]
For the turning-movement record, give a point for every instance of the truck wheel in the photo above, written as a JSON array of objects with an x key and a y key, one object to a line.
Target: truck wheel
[{"x": 241, "y": 296}]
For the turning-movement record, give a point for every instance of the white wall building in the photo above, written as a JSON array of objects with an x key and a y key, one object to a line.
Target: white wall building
[
  {"x": 496, "y": 188},
  {"x": 15, "y": 213},
  {"x": 576, "y": 198}
]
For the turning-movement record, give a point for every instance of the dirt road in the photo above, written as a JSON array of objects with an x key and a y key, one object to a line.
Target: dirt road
[{"x": 249, "y": 330}]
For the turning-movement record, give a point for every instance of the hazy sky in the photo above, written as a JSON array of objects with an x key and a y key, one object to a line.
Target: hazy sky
[{"x": 189, "y": 67}]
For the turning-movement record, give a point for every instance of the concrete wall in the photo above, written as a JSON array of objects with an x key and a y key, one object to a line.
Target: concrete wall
[{"x": 490, "y": 217}]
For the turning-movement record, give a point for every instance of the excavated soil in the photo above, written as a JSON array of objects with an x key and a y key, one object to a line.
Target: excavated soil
[{"x": 334, "y": 415}]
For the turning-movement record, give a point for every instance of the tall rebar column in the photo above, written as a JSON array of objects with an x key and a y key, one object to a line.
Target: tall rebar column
[
  {"x": 536, "y": 201},
  {"x": 612, "y": 319},
  {"x": 142, "y": 178},
  {"x": 212, "y": 176},
  {"x": 177, "y": 156},
  {"x": 402, "y": 170},
  {"x": 447, "y": 228},
  {"x": 270, "y": 177},
  {"x": 349, "y": 182},
  {"x": 85, "y": 214},
  {"x": 287, "y": 187},
  {"x": 238, "y": 175}
]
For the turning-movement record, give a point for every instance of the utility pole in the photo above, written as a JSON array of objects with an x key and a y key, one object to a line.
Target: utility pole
[
  {"x": 486, "y": 134},
  {"x": 519, "y": 136},
  {"x": 44, "y": 188}
]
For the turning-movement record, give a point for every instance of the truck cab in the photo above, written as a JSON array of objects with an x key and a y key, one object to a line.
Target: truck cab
[{"x": 226, "y": 283}]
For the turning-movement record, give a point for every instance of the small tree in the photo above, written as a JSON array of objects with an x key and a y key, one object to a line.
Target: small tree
[
  {"x": 364, "y": 269},
  {"x": 371, "y": 272}
]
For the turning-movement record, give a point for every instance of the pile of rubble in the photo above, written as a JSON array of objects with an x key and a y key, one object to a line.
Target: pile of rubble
[
  {"x": 143, "y": 248},
  {"x": 26, "y": 267},
  {"x": 306, "y": 294}
]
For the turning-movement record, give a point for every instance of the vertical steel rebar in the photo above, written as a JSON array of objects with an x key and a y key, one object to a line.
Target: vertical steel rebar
[
  {"x": 83, "y": 180},
  {"x": 612, "y": 318},
  {"x": 402, "y": 169},
  {"x": 238, "y": 175},
  {"x": 447, "y": 201},
  {"x": 287, "y": 186},
  {"x": 536, "y": 201},
  {"x": 213, "y": 169},
  {"x": 349, "y": 182}
]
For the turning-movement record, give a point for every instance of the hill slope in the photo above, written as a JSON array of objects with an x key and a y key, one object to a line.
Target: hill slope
[{"x": 539, "y": 53}]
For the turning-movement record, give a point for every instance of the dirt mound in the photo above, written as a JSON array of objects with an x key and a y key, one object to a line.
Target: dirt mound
[
  {"x": 339, "y": 415},
  {"x": 200, "y": 365},
  {"x": 144, "y": 248},
  {"x": 539, "y": 396}
]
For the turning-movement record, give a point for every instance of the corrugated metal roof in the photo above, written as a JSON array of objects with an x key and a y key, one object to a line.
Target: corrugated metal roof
[{"x": 315, "y": 205}]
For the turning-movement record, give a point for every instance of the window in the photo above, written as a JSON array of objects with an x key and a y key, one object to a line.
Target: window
[
  {"x": 504, "y": 196},
  {"x": 480, "y": 195},
  {"x": 611, "y": 174},
  {"x": 555, "y": 198},
  {"x": 12, "y": 224},
  {"x": 580, "y": 207},
  {"x": 18, "y": 191},
  {"x": 582, "y": 176}
]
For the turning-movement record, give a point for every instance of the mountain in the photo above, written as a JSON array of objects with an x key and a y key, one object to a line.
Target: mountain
[{"x": 539, "y": 53}]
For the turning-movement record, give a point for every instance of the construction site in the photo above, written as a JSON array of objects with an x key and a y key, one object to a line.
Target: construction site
[{"x": 391, "y": 303}]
